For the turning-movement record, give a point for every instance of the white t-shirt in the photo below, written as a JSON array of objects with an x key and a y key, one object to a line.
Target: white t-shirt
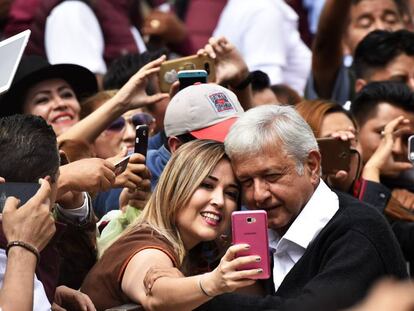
[
  {"x": 73, "y": 35},
  {"x": 40, "y": 301},
  {"x": 265, "y": 32}
]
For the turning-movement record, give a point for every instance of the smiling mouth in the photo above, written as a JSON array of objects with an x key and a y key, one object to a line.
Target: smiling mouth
[
  {"x": 211, "y": 218},
  {"x": 63, "y": 118}
]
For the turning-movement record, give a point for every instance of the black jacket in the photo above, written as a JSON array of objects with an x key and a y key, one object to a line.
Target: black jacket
[{"x": 355, "y": 249}]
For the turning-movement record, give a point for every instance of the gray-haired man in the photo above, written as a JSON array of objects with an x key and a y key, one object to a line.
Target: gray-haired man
[{"x": 327, "y": 248}]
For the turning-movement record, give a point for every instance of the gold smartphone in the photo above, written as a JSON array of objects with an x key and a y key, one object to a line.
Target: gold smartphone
[{"x": 169, "y": 69}]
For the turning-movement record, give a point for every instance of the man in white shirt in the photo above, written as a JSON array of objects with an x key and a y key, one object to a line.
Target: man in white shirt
[{"x": 266, "y": 34}]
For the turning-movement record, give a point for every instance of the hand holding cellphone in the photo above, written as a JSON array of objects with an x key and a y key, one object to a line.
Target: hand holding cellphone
[
  {"x": 335, "y": 153},
  {"x": 250, "y": 227},
  {"x": 169, "y": 69}
]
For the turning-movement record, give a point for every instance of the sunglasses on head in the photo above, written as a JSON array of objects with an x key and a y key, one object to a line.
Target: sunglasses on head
[{"x": 137, "y": 119}]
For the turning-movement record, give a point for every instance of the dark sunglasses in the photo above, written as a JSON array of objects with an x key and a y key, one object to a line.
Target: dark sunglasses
[{"x": 137, "y": 119}]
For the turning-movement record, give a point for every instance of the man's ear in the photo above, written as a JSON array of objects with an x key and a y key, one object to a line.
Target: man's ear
[
  {"x": 313, "y": 165},
  {"x": 359, "y": 84},
  {"x": 174, "y": 143}
]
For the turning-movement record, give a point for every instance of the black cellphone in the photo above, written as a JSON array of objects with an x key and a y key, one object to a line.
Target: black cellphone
[
  {"x": 22, "y": 191},
  {"x": 141, "y": 139},
  {"x": 335, "y": 153}
]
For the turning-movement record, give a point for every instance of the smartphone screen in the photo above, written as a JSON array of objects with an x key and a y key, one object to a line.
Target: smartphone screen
[
  {"x": 141, "y": 139},
  {"x": 190, "y": 77},
  {"x": 251, "y": 227},
  {"x": 21, "y": 191}
]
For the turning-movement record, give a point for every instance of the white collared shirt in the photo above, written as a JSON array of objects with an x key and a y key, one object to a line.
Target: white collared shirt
[{"x": 288, "y": 249}]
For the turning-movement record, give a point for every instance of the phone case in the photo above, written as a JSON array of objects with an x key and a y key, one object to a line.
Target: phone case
[
  {"x": 169, "y": 69},
  {"x": 335, "y": 153},
  {"x": 141, "y": 139},
  {"x": 251, "y": 227}
]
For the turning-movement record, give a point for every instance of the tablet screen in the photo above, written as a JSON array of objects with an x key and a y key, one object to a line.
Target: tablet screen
[{"x": 11, "y": 51}]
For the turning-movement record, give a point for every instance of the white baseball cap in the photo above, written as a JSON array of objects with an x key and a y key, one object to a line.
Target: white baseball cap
[{"x": 207, "y": 111}]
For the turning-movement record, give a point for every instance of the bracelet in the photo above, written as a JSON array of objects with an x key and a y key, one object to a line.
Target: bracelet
[
  {"x": 202, "y": 288},
  {"x": 26, "y": 246}
]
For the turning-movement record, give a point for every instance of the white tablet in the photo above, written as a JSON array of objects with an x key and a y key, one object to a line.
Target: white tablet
[{"x": 11, "y": 51}]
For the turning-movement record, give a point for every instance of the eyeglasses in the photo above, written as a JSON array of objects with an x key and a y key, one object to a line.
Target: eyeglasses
[{"x": 137, "y": 119}]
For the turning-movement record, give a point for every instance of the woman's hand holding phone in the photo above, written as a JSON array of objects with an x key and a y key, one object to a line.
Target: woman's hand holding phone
[{"x": 228, "y": 277}]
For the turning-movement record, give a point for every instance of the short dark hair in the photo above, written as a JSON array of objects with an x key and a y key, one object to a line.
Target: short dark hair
[
  {"x": 124, "y": 67},
  {"x": 28, "y": 149},
  {"x": 367, "y": 100},
  {"x": 260, "y": 80},
  {"x": 379, "y": 48}
]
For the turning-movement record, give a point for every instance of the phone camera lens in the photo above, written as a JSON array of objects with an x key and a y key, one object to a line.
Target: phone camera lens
[{"x": 207, "y": 67}]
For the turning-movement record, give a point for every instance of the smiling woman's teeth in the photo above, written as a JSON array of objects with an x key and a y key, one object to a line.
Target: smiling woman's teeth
[
  {"x": 211, "y": 216},
  {"x": 64, "y": 118}
]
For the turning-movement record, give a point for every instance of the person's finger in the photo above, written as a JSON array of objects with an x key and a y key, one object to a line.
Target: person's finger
[
  {"x": 154, "y": 63},
  {"x": 402, "y": 166},
  {"x": 56, "y": 307},
  {"x": 218, "y": 47},
  {"x": 2, "y": 180},
  {"x": 136, "y": 158},
  {"x": 10, "y": 205},
  {"x": 109, "y": 174},
  {"x": 149, "y": 72},
  {"x": 237, "y": 263},
  {"x": 202, "y": 52},
  {"x": 232, "y": 251},
  {"x": 339, "y": 176},
  {"x": 153, "y": 99},
  {"x": 210, "y": 51},
  {"x": 89, "y": 306},
  {"x": 174, "y": 89},
  {"x": 42, "y": 195}
]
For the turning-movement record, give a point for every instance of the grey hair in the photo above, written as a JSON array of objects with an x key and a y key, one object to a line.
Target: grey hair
[{"x": 260, "y": 128}]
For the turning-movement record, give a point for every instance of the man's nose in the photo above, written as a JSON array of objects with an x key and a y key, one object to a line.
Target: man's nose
[{"x": 261, "y": 191}]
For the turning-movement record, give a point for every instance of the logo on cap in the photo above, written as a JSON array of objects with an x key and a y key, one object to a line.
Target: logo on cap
[{"x": 221, "y": 103}]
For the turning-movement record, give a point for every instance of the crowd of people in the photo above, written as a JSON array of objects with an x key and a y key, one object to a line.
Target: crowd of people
[{"x": 157, "y": 235}]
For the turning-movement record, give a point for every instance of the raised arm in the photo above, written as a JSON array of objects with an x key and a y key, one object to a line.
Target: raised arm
[
  {"x": 131, "y": 96},
  {"x": 33, "y": 225},
  {"x": 193, "y": 291},
  {"x": 327, "y": 48}
]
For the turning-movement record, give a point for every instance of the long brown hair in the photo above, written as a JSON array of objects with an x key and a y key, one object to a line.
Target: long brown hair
[{"x": 183, "y": 174}]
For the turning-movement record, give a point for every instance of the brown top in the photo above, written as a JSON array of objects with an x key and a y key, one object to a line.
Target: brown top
[{"x": 103, "y": 282}]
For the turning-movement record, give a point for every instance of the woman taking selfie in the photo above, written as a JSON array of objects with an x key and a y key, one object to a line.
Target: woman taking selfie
[{"x": 192, "y": 204}]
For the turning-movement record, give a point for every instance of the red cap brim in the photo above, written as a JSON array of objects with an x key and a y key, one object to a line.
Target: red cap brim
[{"x": 216, "y": 132}]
